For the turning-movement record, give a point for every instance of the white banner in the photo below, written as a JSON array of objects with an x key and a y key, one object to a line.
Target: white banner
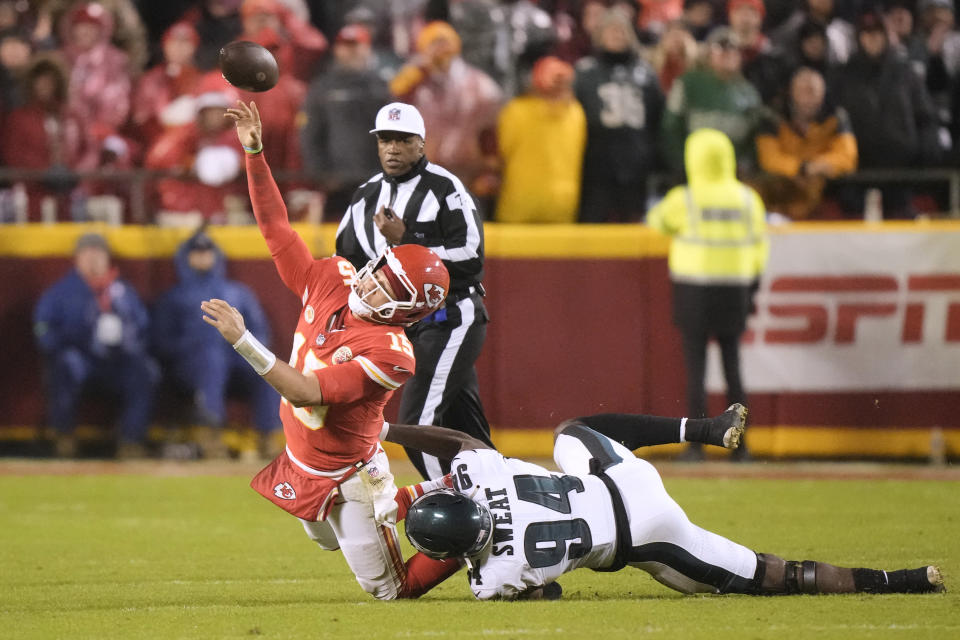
[{"x": 855, "y": 311}]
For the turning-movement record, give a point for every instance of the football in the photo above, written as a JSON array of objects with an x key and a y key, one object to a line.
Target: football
[{"x": 249, "y": 66}]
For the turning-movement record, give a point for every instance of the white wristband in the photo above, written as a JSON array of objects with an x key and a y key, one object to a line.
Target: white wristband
[
  {"x": 259, "y": 357},
  {"x": 384, "y": 430}
]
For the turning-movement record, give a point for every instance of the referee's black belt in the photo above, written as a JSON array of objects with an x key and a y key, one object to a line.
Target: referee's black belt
[
  {"x": 624, "y": 538},
  {"x": 454, "y": 297},
  {"x": 461, "y": 293}
]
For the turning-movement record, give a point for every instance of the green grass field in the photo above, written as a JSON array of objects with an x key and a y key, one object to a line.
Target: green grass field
[{"x": 143, "y": 552}]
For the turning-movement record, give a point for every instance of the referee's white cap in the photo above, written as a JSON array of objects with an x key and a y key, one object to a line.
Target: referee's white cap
[{"x": 398, "y": 116}]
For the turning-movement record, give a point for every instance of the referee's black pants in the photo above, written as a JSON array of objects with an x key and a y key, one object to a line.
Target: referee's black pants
[{"x": 444, "y": 390}]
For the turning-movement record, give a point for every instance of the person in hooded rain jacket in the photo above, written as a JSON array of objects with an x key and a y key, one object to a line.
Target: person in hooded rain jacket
[
  {"x": 193, "y": 352},
  {"x": 90, "y": 328},
  {"x": 718, "y": 253}
]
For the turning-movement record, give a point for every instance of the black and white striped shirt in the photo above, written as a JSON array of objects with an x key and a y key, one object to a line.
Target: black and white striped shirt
[{"x": 438, "y": 211}]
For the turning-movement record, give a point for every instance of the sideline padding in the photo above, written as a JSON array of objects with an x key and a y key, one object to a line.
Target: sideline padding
[
  {"x": 783, "y": 442},
  {"x": 245, "y": 242},
  {"x": 769, "y": 442},
  {"x": 595, "y": 241},
  {"x": 145, "y": 242}
]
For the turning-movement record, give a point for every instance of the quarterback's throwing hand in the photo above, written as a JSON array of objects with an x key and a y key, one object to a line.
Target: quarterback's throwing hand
[
  {"x": 247, "y": 119},
  {"x": 226, "y": 319}
]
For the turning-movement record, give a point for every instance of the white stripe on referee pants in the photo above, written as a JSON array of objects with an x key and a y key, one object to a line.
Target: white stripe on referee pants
[{"x": 440, "y": 374}]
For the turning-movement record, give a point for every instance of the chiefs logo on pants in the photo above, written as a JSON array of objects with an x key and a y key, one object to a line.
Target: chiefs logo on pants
[{"x": 284, "y": 491}]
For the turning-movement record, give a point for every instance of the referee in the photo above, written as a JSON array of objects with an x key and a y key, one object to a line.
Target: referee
[{"x": 417, "y": 202}]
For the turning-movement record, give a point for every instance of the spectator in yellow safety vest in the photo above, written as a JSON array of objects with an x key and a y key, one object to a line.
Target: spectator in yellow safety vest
[{"x": 718, "y": 253}]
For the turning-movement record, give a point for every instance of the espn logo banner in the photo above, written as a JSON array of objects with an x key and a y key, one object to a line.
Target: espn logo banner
[{"x": 854, "y": 311}]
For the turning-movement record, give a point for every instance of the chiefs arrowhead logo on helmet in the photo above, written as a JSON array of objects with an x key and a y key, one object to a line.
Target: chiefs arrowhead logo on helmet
[
  {"x": 433, "y": 294},
  {"x": 410, "y": 269},
  {"x": 284, "y": 491}
]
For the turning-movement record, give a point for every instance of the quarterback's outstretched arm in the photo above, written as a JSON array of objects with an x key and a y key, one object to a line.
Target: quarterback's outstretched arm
[
  {"x": 436, "y": 441},
  {"x": 290, "y": 253},
  {"x": 300, "y": 389}
]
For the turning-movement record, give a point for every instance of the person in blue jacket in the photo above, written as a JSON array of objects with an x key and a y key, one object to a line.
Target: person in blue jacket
[
  {"x": 195, "y": 355},
  {"x": 91, "y": 329}
]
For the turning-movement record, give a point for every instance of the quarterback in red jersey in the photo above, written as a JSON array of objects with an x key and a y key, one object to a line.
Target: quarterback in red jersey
[{"x": 349, "y": 355}]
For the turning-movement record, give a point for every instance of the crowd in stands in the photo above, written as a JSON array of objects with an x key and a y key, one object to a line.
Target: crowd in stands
[{"x": 548, "y": 110}]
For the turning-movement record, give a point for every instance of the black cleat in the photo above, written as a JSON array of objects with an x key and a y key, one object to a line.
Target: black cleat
[
  {"x": 934, "y": 580},
  {"x": 922, "y": 580},
  {"x": 727, "y": 428}
]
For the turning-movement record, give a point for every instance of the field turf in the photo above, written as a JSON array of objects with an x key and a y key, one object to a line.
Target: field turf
[{"x": 189, "y": 551}]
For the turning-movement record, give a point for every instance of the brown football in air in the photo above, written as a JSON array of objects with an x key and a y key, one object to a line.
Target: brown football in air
[{"x": 248, "y": 66}]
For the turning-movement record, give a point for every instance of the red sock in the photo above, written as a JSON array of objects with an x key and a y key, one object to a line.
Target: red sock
[
  {"x": 425, "y": 573},
  {"x": 406, "y": 495}
]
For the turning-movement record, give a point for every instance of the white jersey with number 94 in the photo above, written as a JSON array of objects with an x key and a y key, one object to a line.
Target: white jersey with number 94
[{"x": 545, "y": 524}]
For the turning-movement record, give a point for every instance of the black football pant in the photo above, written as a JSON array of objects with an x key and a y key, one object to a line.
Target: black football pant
[{"x": 444, "y": 390}]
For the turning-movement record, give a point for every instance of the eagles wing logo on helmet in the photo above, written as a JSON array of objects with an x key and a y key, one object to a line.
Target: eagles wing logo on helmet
[{"x": 433, "y": 294}]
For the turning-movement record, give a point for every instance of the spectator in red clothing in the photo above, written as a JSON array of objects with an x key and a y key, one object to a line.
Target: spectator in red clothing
[
  {"x": 129, "y": 34},
  {"x": 460, "y": 102},
  {"x": 655, "y": 15},
  {"x": 206, "y": 152},
  {"x": 164, "y": 94},
  {"x": 300, "y": 45},
  {"x": 283, "y": 102},
  {"x": 47, "y": 137},
  {"x": 100, "y": 85}
]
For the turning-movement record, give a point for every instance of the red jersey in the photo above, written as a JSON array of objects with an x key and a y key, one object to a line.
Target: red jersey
[{"x": 359, "y": 364}]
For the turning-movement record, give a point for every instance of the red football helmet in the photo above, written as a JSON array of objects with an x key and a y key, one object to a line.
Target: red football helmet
[{"x": 418, "y": 278}]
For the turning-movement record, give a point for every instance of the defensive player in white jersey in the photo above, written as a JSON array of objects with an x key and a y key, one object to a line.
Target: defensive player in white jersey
[{"x": 520, "y": 527}]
